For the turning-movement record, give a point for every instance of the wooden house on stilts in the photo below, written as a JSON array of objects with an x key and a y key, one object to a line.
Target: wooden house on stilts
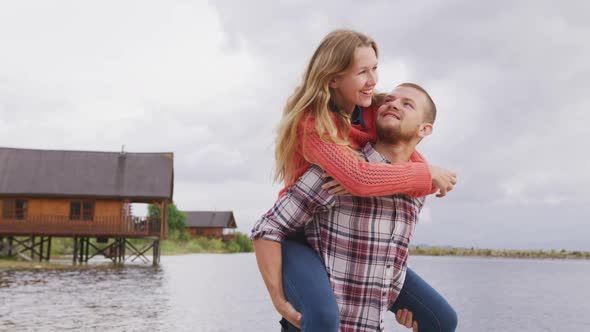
[{"x": 82, "y": 195}]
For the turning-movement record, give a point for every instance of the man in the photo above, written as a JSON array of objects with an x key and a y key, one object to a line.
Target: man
[{"x": 362, "y": 241}]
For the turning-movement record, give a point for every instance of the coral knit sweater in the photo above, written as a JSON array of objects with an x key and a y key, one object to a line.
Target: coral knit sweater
[{"x": 358, "y": 177}]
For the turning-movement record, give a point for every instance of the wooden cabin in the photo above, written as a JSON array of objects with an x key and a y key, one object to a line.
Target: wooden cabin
[
  {"x": 213, "y": 224},
  {"x": 82, "y": 193}
]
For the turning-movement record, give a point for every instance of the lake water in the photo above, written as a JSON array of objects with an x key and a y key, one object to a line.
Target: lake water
[{"x": 209, "y": 292}]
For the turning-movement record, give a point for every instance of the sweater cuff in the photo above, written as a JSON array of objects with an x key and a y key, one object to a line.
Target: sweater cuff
[{"x": 424, "y": 180}]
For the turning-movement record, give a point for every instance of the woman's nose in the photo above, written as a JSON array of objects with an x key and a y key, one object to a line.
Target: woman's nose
[{"x": 373, "y": 78}]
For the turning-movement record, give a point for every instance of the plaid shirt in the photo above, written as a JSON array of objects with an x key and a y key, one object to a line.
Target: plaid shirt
[{"x": 363, "y": 242}]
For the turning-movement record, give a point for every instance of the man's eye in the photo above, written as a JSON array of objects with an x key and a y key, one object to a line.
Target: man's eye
[{"x": 409, "y": 105}]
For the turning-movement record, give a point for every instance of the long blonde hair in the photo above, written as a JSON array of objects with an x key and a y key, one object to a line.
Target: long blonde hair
[{"x": 333, "y": 57}]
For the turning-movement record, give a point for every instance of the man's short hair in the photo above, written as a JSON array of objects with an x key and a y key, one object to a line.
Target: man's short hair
[{"x": 430, "y": 111}]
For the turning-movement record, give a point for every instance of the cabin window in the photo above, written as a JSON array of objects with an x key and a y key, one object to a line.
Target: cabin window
[
  {"x": 81, "y": 210},
  {"x": 14, "y": 209}
]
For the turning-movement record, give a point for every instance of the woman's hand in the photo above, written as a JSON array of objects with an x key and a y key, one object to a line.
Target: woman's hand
[
  {"x": 334, "y": 187},
  {"x": 443, "y": 179},
  {"x": 288, "y": 312},
  {"x": 404, "y": 317}
]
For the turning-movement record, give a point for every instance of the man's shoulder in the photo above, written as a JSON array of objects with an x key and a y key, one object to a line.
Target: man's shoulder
[
  {"x": 314, "y": 171},
  {"x": 312, "y": 178},
  {"x": 373, "y": 156},
  {"x": 309, "y": 187}
]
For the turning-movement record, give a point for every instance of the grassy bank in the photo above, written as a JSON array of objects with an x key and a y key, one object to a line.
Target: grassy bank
[
  {"x": 551, "y": 254},
  {"x": 177, "y": 243}
]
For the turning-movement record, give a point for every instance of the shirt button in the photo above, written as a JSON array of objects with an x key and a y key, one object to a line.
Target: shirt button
[
  {"x": 384, "y": 293},
  {"x": 389, "y": 266}
]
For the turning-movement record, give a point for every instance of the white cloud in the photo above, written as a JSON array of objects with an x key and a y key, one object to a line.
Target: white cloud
[{"x": 425, "y": 216}]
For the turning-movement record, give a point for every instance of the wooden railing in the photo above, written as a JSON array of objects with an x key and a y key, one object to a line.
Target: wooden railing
[{"x": 63, "y": 226}]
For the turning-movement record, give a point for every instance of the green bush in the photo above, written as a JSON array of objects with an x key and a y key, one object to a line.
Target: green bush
[
  {"x": 233, "y": 246},
  {"x": 176, "y": 218},
  {"x": 184, "y": 236},
  {"x": 244, "y": 242},
  {"x": 213, "y": 245},
  {"x": 193, "y": 247}
]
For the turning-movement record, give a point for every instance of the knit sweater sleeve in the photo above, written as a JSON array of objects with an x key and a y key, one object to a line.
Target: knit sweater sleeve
[{"x": 362, "y": 178}]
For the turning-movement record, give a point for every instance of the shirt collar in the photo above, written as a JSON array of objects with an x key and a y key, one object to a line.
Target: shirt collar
[
  {"x": 372, "y": 156},
  {"x": 356, "y": 117}
]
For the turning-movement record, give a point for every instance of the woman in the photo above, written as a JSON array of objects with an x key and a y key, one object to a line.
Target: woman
[{"x": 317, "y": 128}]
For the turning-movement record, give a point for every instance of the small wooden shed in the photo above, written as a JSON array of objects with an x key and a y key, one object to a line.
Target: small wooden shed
[{"x": 215, "y": 224}]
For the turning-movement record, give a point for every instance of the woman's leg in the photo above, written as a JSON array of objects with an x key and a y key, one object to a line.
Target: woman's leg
[
  {"x": 428, "y": 307},
  {"x": 308, "y": 289}
]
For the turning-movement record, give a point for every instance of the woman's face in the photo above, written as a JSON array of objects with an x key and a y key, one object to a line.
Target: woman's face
[{"x": 356, "y": 85}]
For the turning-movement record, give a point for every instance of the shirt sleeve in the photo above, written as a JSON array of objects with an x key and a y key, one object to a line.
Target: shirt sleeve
[
  {"x": 294, "y": 209},
  {"x": 362, "y": 178},
  {"x": 419, "y": 205}
]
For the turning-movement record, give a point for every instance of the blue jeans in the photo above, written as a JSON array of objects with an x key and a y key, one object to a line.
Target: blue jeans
[
  {"x": 308, "y": 289},
  {"x": 428, "y": 307}
]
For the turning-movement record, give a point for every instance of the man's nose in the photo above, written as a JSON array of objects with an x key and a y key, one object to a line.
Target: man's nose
[{"x": 397, "y": 105}]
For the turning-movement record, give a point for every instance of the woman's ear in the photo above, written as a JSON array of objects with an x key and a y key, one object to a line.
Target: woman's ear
[{"x": 333, "y": 83}]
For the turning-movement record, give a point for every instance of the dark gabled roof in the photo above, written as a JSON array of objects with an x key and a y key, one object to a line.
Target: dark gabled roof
[
  {"x": 224, "y": 219},
  {"x": 134, "y": 176}
]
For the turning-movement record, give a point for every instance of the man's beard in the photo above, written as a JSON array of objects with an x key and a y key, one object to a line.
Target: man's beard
[{"x": 393, "y": 135}]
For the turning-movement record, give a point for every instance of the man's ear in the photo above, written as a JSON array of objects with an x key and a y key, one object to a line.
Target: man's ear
[{"x": 425, "y": 130}]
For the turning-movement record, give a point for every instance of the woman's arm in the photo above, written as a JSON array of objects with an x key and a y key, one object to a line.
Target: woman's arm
[{"x": 362, "y": 178}]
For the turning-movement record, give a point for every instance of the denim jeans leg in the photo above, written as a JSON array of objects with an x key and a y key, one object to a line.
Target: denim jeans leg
[
  {"x": 428, "y": 307},
  {"x": 308, "y": 289}
]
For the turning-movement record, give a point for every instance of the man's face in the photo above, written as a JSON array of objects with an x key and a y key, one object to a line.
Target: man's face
[{"x": 400, "y": 118}]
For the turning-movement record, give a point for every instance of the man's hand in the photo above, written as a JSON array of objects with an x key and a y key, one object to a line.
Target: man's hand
[
  {"x": 443, "y": 179},
  {"x": 404, "y": 317},
  {"x": 288, "y": 312}
]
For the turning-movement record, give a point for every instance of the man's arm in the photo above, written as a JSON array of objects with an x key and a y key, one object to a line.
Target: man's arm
[{"x": 293, "y": 210}]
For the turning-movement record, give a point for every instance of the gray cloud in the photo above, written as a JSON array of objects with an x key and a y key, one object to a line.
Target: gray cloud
[
  {"x": 208, "y": 82},
  {"x": 509, "y": 79}
]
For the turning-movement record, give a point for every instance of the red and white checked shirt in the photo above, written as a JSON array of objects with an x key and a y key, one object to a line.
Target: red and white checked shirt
[{"x": 363, "y": 242}]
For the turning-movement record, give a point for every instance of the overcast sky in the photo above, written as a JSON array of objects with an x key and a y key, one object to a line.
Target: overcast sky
[{"x": 208, "y": 81}]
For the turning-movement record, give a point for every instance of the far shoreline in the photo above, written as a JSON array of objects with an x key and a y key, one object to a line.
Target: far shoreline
[
  {"x": 500, "y": 253},
  {"x": 12, "y": 263}
]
